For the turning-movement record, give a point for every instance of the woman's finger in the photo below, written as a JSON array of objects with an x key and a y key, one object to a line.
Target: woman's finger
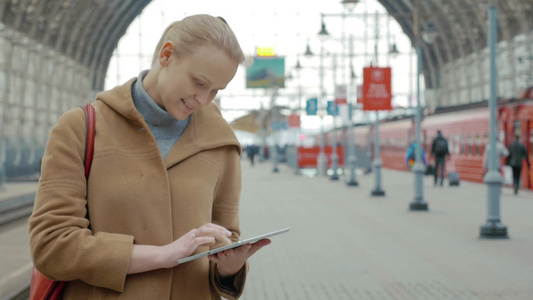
[
  {"x": 203, "y": 240},
  {"x": 220, "y": 233}
]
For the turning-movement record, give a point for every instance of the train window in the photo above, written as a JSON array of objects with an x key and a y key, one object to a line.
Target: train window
[
  {"x": 478, "y": 144},
  {"x": 463, "y": 144},
  {"x": 531, "y": 140},
  {"x": 517, "y": 129},
  {"x": 456, "y": 145},
  {"x": 469, "y": 146},
  {"x": 485, "y": 142}
]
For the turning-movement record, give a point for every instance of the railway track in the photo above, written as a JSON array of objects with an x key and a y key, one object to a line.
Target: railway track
[
  {"x": 22, "y": 294},
  {"x": 15, "y": 208}
]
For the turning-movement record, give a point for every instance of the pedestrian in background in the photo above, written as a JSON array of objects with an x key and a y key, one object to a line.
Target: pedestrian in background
[
  {"x": 439, "y": 149},
  {"x": 501, "y": 151},
  {"x": 517, "y": 154},
  {"x": 165, "y": 181},
  {"x": 410, "y": 155},
  {"x": 251, "y": 151}
]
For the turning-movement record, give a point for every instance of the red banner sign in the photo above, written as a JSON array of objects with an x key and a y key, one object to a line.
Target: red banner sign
[
  {"x": 341, "y": 94},
  {"x": 294, "y": 120},
  {"x": 377, "y": 93}
]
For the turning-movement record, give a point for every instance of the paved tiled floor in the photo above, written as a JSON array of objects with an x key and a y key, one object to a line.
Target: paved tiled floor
[{"x": 345, "y": 244}]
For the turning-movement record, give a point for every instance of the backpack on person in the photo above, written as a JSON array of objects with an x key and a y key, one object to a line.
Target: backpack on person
[{"x": 441, "y": 147}]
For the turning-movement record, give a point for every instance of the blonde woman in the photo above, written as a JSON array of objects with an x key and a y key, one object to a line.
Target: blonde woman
[{"x": 165, "y": 181}]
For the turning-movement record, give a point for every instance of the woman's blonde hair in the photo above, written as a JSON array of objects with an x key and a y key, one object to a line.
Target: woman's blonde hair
[{"x": 196, "y": 30}]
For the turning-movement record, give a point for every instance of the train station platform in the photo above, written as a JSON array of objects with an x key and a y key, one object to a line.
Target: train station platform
[
  {"x": 15, "y": 261},
  {"x": 345, "y": 244}
]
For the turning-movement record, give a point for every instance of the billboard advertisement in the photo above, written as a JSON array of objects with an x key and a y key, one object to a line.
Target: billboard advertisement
[{"x": 266, "y": 72}]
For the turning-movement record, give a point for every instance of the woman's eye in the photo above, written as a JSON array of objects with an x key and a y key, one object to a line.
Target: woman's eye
[{"x": 198, "y": 83}]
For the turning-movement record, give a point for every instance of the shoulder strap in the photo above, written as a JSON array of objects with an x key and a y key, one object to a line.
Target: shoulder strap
[{"x": 91, "y": 132}]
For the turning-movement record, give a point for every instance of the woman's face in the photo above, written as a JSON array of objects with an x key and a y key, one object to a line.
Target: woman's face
[{"x": 186, "y": 83}]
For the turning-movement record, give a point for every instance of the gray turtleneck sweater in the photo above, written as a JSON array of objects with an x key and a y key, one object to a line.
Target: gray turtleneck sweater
[{"x": 165, "y": 128}]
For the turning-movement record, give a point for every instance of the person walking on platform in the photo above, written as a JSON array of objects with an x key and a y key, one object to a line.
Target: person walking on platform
[
  {"x": 439, "y": 149},
  {"x": 410, "y": 156},
  {"x": 517, "y": 154},
  {"x": 251, "y": 152},
  {"x": 165, "y": 181},
  {"x": 501, "y": 151}
]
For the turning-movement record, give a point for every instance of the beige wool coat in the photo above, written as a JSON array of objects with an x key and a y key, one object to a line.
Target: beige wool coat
[{"x": 134, "y": 197}]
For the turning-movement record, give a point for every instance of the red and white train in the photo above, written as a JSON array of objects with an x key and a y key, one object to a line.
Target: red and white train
[{"x": 467, "y": 131}]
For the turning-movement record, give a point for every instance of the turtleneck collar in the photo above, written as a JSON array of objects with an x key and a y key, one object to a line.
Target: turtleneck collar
[{"x": 151, "y": 112}]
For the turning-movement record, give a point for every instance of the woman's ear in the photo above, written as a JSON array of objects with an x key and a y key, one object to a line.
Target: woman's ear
[{"x": 166, "y": 53}]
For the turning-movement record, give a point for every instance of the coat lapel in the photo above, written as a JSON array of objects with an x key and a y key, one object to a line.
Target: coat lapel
[{"x": 207, "y": 129}]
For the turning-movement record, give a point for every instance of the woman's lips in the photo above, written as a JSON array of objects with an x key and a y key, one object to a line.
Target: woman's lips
[{"x": 186, "y": 105}]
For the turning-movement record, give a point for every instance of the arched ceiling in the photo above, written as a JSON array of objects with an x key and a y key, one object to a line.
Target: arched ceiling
[
  {"x": 89, "y": 31},
  {"x": 86, "y": 30},
  {"x": 462, "y": 27}
]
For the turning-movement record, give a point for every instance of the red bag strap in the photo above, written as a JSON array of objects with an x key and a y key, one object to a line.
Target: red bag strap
[
  {"x": 91, "y": 132},
  {"x": 42, "y": 287}
]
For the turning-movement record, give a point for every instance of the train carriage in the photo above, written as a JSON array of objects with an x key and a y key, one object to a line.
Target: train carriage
[
  {"x": 514, "y": 120},
  {"x": 395, "y": 137},
  {"x": 467, "y": 131}
]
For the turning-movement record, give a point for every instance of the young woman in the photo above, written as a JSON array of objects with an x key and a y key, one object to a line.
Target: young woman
[{"x": 164, "y": 184}]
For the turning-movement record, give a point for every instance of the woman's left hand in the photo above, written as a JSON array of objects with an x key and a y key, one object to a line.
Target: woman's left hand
[{"x": 231, "y": 261}]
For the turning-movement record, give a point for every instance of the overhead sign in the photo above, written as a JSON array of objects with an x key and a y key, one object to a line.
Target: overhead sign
[
  {"x": 333, "y": 110},
  {"x": 294, "y": 120},
  {"x": 279, "y": 125},
  {"x": 377, "y": 93},
  {"x": 312, "y": 107},
  {"x": 265, "y": 51},
  {"x": 341, "y": 94}
]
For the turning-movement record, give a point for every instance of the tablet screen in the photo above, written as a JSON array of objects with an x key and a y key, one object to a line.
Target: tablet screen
[{"x": 234, "y": 245}]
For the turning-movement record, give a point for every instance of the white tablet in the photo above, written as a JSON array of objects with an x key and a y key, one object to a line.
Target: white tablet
[{"x": 234, "y": 245}]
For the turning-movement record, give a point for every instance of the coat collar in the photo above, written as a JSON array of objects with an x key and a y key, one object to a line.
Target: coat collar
[{"x": 207, "y": 129}]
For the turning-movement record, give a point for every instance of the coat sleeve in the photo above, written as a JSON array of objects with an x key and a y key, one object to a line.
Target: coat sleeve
[
  {"x": 226, "y": 213},
  {"x": 61, "y": 243}
]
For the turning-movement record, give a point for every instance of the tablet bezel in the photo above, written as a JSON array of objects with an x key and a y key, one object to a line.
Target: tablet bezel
[{"x": 234, "y": 245}]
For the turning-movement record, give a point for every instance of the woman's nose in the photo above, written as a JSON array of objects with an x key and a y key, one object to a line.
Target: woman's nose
[{"x": 202, "y": 98}]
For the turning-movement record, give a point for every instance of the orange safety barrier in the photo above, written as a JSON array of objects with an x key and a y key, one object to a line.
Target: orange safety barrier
[{"x": 307, "y": 157}]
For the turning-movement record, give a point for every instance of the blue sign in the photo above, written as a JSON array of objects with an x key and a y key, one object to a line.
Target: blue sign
[
  {"x": 333, "y": 110},
  {"x": 275, "y": 125},
  {"x": 312, "y": 107},
  {"x": 279, "y": 125}
]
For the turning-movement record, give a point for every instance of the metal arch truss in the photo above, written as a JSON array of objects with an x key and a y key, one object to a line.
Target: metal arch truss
[
  {"x": 86, "y": 31},
  {"x": 462, "y": 26},
  {"x": 54, "y": 56}
]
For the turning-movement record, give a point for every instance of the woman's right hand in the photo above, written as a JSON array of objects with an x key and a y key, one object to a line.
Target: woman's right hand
[
  {"x": 146, "y": 258},
  {"x": 206, "y": 235}
]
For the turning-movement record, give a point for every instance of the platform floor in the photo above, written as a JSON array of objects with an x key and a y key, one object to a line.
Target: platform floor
[
  {"x": 345, "y": 244},
  {"x": 15, "y": 260}
]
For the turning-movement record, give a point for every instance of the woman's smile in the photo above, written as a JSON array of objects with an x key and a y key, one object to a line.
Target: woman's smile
[{"x": 186, "y": 105}]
